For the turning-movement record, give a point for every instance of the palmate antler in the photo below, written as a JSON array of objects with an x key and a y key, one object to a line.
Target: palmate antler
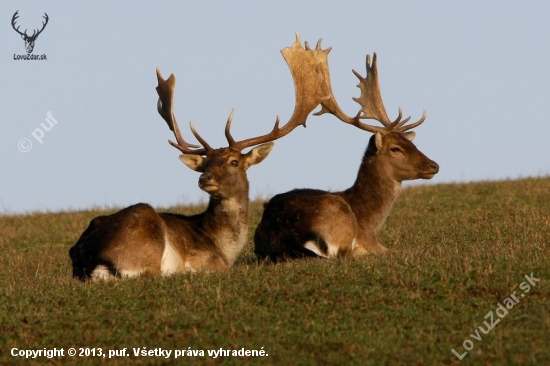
[
  {"x": 309, "y": 69},
  {"x": 311, "y": 87},
  {"x": 371, "y": 103}
]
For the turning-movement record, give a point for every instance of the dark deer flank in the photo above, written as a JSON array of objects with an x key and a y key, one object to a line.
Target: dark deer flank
[{"x": 306, "y": 222}]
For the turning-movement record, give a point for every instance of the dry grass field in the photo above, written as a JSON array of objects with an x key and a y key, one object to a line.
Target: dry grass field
[{"x": 457, "y": 251}]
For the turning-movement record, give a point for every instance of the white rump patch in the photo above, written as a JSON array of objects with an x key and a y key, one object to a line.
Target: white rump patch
[
  {"x": 171, "y": 261},
  {"x": 332, "y": 249},
  {"x": 312, "y": 246},
  {"x": 101, "y": 272},
  {"x": 131, "y": 273}
]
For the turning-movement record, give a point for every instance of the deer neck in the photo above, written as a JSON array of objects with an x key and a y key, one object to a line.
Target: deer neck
[
  {"x": 372, "y": 195},
  {"x": 226, "y": 220}
]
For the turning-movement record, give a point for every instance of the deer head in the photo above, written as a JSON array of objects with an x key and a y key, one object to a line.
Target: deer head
[
  {"x": 391, "y": 143},
  {"x": 29, "y": 40}
]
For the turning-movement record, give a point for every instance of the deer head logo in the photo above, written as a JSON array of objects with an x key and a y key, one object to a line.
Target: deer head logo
[{"x": 29, "y": 40}]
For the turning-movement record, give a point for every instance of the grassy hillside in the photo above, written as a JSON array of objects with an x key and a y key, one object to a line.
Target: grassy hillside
[{"x": 457, "y": 251}]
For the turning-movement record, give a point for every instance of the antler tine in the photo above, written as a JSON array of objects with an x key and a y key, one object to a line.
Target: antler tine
[
  {"x": 403, "y": 128},
  {"x": 397, "y": 122},
  {"x": 401, "y": 123},
  {"x": 400, "y": 115},
  {"x": 198, "y": 137},
  {"x": 228, "y": 127},
  {"x": 371, "y": 103},
  {"x": 13, "y": 19},
  {"x": 371, "y": 98},
  {"x": 309, "y": 69},
  {"x": 165, "y": 90},
  {"x": 43, "y": 24}
]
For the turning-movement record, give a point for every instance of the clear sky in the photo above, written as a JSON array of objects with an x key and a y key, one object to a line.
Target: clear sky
[{"x": 480, "y": 69}]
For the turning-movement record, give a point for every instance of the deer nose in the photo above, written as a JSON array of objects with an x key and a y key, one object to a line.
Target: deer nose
[
  {"x": 434, "y": 166},
  {"x": 205, "y": 178}
]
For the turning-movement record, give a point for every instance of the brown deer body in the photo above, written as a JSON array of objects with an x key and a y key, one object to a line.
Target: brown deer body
[
  {"x": 139, "y": 240},
  {"x": 307, "y": 222}
]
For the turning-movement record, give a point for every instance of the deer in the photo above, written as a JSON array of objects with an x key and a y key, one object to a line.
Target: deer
[
  {"x": 138, "y": 240},
  {"x": 29, "y": 40},
  {"x": 315, "y": 223}
]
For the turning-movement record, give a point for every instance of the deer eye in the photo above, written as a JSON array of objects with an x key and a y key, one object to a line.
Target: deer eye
[
  {"x": 395, "y": 149},
  {"x": 234, "y": 163}
]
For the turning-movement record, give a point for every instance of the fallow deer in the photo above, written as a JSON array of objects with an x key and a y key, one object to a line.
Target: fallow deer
[
  {"x": 309, "y": 222},
  {"x": 139, "y": 240}
]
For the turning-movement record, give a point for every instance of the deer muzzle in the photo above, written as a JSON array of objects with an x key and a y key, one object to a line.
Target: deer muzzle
[
  {"x": 207, "y": 183},
  {"x": 431, "y": 170}
]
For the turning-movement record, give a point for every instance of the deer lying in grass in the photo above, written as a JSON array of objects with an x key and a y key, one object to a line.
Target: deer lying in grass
[
  {"x": 139, "y": 240},
  {"x": 308, "y": 222}
]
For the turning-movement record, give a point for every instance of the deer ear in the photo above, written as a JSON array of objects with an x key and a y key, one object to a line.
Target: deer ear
[
  {"x": 194, "y": 162},
  {"x": 257, "y": 154},
  {"x": 378, "y": 141},
  {"x": 410, "y": 135}
]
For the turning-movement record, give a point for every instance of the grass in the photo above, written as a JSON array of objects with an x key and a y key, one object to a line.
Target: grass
[{"x": 457, "y": 250}]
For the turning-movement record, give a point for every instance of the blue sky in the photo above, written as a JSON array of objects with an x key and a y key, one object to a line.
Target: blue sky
[{"x": 479, "y": 68}]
